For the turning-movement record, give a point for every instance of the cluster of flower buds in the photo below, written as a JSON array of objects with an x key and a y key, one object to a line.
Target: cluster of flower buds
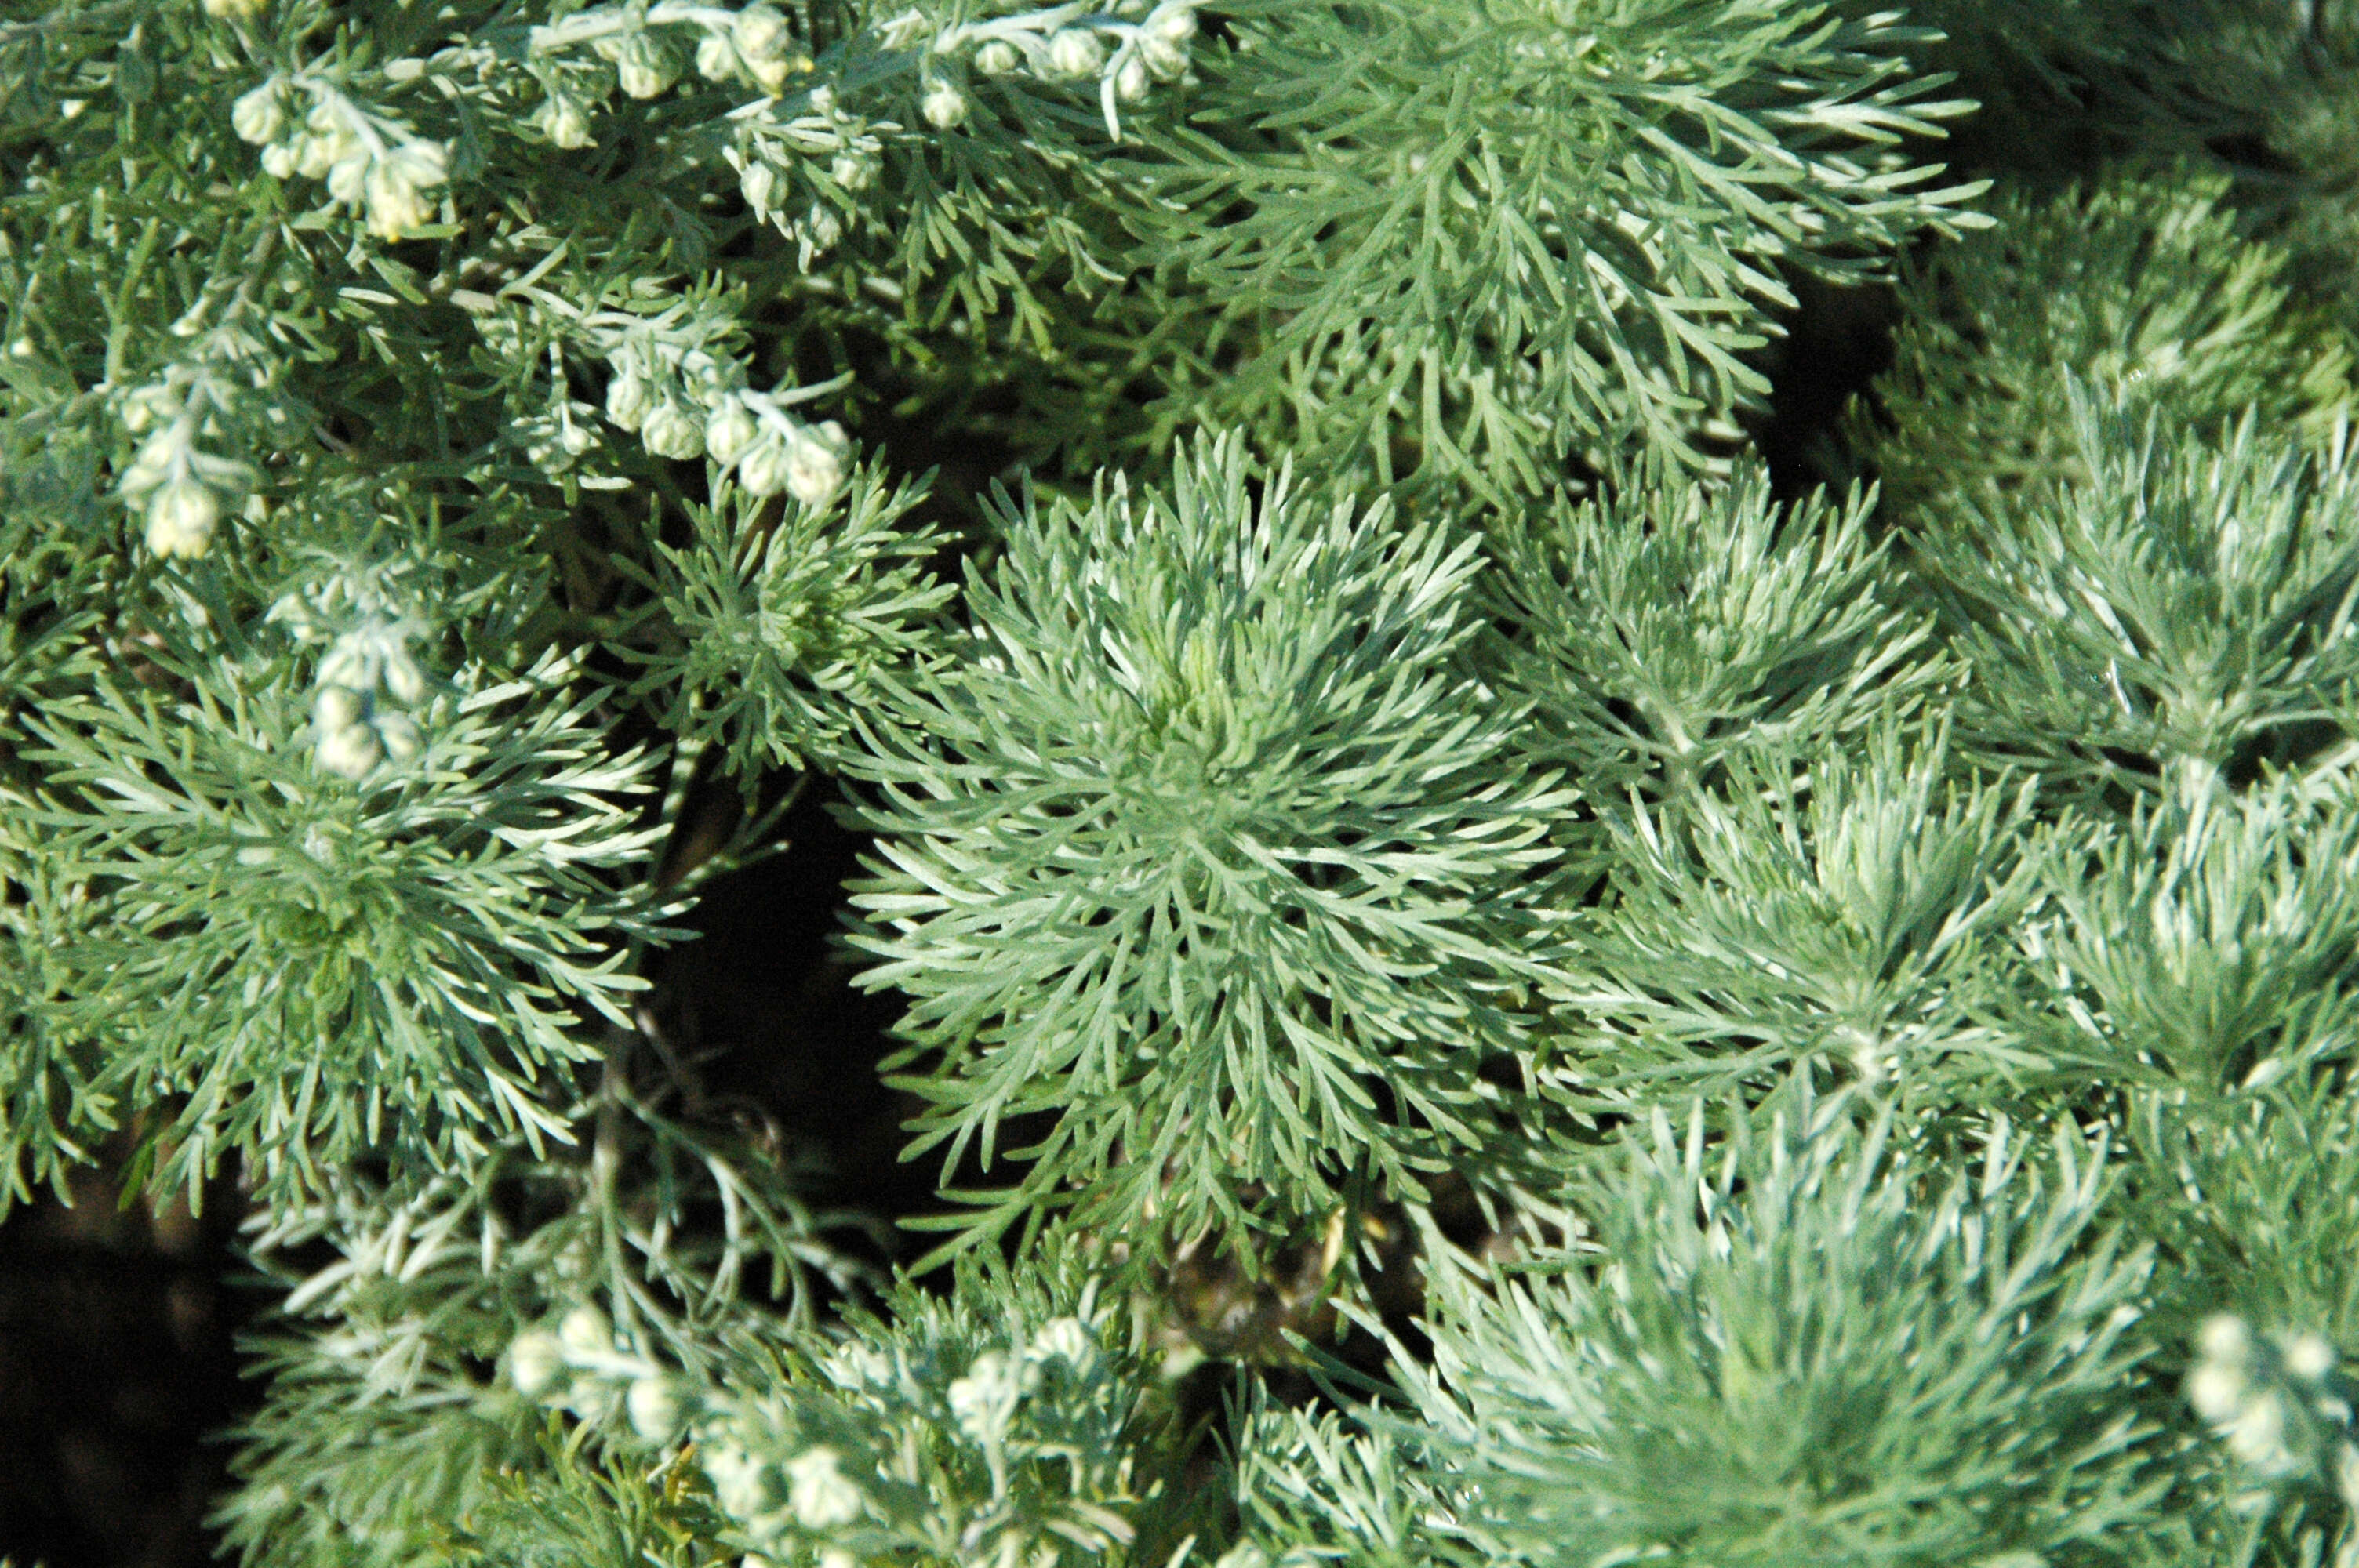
[
  {"x": 794, "y": 170},
  {"x": 582, "y": 1366},
  {"x": 2281, "y": 1403},
  {"x": 366, "y": 671},
  {"x": 1124, "y": 55},
  {"x": 181, "y": 488},
  {"x": 685, "y": 402},
  {"x": 353, "y": 730},
  {"x": 645, "y": 44},
  {"x": 372, "y": 164},
  {"x": 353, "y": 733}
]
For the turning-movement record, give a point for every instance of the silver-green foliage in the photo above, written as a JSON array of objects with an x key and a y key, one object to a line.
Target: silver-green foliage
[
  {"x": 2141, "y": 286},
  {"x": 1798, "y": 1345},
  {"x": 1211, "y": 847},
  {"x": 1519, "y": 228},
  {"x": 1851, "y": 916},
  {"x": 1666, "y": 626},
  {"x": 2184, "y": 611}
]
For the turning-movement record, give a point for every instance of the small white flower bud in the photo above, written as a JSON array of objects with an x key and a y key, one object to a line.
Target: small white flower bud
[
  {"x": 647, "y": 66},
  {"x": 1064, "y": 1339},
  {"x": 998, "y": 58},
  {"x": 760, "y": 33},
  {"x": 762, "y": 468},
  {"x": 627, "y": 400},
  {"x": 1130, "y": 83},
  {"x": 1172, "y": 24},
  {"x": 822, "y": 228},
  {"x": 1165, "y": 60},
  {"x": 653, "y": 1408},
  {"x": 232, "y": 10},
  {"x": 2310, "y": 1357},
  {"x": 403, "y": 678},
  {"x": 584, "y": 1332},
  {"x": 715, "y": 60},
  {"x": 740, "y": 1482},
  {"x": 350, "y": 753},
  {"x": 1076, "y": 51},
  {"x": 565, "y": 123},
  {"x": 349, "y": 176},
  {"x": 2215, "y": 1390},
  {"x": 823, "y": 99},
  {"x": 396, "y": 189},
  {"x": 400, "y": 735},
  {"x": 143, "y": 405},
  {"x": 259, "y": 115},
  {"x": 353, "y": 661},
  {"x": 337, "y": 707},
  {"x": 730, "y": 429},
  {"x": 278, "y": 160},
  {"x": 758, "y": 183},
  {"x": 815, "y": 462},
  {"x": 703, "y": 375},
  {"x": 534, "y": 1362},
  {"x": 671, "y": 431},
  {"x": 983, "y": 1401},
  {"x": 316, "y": 154},
  {"x": 818, "y": 1492},
  {"x": 854, "y": 171},
  {"x": 770, "y": 75},
  {"x": 180, "y": 518},
  {"x": 944, "y": 107},
  {"x": 2224, "y": 1337},
  {"x": 2257, "y": 1435},
  {"x": 156, "y": 460}
]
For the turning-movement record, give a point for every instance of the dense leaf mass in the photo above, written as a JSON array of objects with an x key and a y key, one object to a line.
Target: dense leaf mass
[{"x": 1512, "y": 929}]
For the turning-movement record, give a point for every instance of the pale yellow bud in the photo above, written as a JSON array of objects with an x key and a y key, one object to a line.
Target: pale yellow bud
[
  {"x": 758, "y": 182},
  {"x": 854, "y": 171},
  {"x": 400, "y": 735},
  {"x": 760, "y": 34},
  {"x": 2224, "y": 1337},
  {"x": 348, "y": 178},
  {"x": 818, "y": 1492},
  {"x": 762, "y": 469},
  {"x": 1163, "y": 58},
  {"x": 2310, "y": 1357},
  {"x": 337, "y": 707},
  {"x": 944, "y": 107},
  {"x": 180, "y": 518},
  {"x": 534, "y": 1362},
  {"x": 584, "y": 1332},
  {"x": 564, "y": 122},
  {"x": 815, "y": 462},
  {"x": 730, "y": 430},
  {"x": 258, "y": 116},
  {"x": 645, "y": 66},
  {"x": 653, "y": 1408},
  {"x": 715, "y": 60},
  {"x": 1076, "y": 51},
  {"x": 627, "y": 400},
  {"x": 350, "y": 753},
  {"x": 671, "y": 431},
  {"x": 1172, "y": 24},
  {"x": 998, "y": 58}
]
